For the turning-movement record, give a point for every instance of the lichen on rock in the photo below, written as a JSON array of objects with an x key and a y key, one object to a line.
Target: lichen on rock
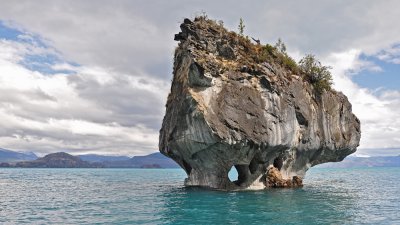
[{"x": 236, "y": 104}]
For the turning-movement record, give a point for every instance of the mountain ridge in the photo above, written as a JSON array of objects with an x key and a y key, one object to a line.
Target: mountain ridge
[
  {"x": 65, "y": 160},
  {"x": 157, "y": 160},
  {"x": 57, "y": 160},
  {"x": 14, "y": 156}
]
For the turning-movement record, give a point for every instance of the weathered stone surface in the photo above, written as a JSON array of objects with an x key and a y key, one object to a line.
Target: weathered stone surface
[
  {"x": 229, "y": 108},
  {"x": 274, "y": 179}
]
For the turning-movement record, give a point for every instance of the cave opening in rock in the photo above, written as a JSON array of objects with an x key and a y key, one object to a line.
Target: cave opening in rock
[
  {"x": 278, "y": 162},
  {"x": 233, "y": 174},
  {"x": 238, "y": 174}
]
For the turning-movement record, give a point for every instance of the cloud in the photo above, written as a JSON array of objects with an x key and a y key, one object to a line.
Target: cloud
[
  {"x": 118, "y": 36},
  {"x": 123, "y": 34},
  {"x": 92, "y": 110},
  {"x": 390, "y": 55},
  {"x": 379, "y": 113}
]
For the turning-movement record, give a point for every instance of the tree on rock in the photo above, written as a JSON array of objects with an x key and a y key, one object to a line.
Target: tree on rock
[
  {"x": 241, "y": 26},
  {"x": 318, "y": 75}
]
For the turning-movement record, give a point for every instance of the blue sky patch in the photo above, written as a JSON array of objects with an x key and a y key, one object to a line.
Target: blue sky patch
[
  {"x": 389, "y": 78},
  {"x": 42, "y": 62},
  {"x": 8, "y": 33}
]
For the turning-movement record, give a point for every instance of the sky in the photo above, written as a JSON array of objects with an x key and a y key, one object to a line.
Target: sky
[{"x": 93, "y": 76}]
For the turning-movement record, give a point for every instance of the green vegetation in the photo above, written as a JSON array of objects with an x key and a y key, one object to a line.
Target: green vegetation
[
  {"x": 266, "y": 53},
  {"x": 317, "y": 74},
  {"x": 241, "y": 27},
  {"x": 309, "y": 68},
  {"x": 277, "y": 54},
  {"x": 269, "y": 49},
  {"x": 289, "y": 63},
  {"x": 285, "y": 60}
]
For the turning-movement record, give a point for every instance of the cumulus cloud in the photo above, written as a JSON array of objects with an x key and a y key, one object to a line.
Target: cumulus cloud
[
  {"x": 92, "y": 110},
  {"x": 116, "y": 35},
  {"x": 378, "y": 112},
  {"x": 105, "y": 89},
  {"x": 391, "y": 55}
]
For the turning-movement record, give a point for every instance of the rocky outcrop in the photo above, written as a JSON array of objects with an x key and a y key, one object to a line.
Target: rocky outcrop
[
  {"x": 274, "y": 179},
  {"x": 236, "y": 104}
]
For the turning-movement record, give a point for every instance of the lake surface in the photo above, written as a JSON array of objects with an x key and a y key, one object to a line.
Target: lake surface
[{"x": 156, "y": 196}]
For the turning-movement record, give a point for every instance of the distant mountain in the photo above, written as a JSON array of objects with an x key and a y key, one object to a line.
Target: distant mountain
[
  {"x": 102, "y": 158},
  {"x": 375, "y": 161},
  {"x": 65, "y": 160},
  {"x": 12, "y": 156},
  {"x": 58, "y": 160},
  {"x": 154, "y": 160}
]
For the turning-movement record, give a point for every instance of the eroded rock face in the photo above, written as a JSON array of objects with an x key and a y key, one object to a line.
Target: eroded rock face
[
  {"x": 229, "y": 106},
  {"x": 274, "y": 179}
]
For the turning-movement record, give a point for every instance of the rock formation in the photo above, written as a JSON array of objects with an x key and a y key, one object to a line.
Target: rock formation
[{"x": 235, "y": 103}]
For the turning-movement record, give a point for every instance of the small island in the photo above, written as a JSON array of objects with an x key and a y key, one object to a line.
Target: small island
[{"x": 240, "y": 104}]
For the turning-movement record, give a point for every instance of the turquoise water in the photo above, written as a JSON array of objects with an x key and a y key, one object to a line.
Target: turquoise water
[{"x": 156, "y": 196}]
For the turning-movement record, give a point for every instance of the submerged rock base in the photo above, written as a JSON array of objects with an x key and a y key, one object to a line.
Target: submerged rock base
[
  {"x": 274, "y": 179},
  {"x": 235, "y": 103}
]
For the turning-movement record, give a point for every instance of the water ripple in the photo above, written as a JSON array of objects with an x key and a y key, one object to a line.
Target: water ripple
[{"x": 153, "y": 196}]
